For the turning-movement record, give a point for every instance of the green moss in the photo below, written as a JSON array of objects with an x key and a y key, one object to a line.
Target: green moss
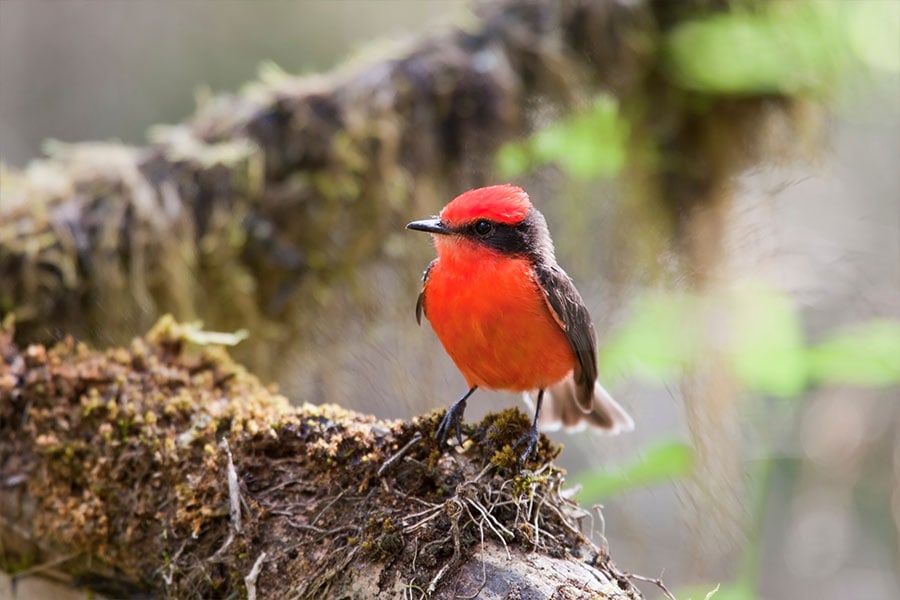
[
  {"x": 141, "y": 458},
  {"x": 505, "y": 458}
]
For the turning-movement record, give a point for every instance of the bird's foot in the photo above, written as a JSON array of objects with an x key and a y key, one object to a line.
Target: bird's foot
[
  {"x": 530, "y": 442},
  {"x": 452, "y": 420}
]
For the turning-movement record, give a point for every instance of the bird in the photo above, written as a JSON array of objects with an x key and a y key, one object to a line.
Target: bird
[{"x": 510, "y": 317}]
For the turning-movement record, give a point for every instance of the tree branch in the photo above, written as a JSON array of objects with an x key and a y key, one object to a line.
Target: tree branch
[{"x": 166, "y": 469}]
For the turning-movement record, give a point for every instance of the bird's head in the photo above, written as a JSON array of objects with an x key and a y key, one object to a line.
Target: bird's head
[{"x": 499, "y": 218}]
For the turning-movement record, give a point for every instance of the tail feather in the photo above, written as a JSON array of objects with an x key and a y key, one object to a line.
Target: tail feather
[{"x": 561, "y": 409}]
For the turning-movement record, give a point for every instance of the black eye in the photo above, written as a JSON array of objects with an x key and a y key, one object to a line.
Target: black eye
[{"x": 484, "y": 227}]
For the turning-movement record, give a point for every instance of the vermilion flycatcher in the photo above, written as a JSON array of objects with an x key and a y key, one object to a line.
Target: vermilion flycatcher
[{"x": 509, "y": 316}]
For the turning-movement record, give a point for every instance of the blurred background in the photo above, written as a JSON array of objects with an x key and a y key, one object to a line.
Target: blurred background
[{"x": 780, "y": 479}]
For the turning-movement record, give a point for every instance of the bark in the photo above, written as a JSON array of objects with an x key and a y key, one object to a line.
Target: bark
[{"x": 166, "y": 469}]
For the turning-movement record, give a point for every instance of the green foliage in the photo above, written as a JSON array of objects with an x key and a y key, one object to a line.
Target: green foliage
[
  {"x": 796, "y": 47},
  {"x": 658, "y": 342},
  {"x": 786, "y": 47},
  {"x": 761, "y": 330},
  {"x": 586, "y": 146},
  {"x": 664, "y": 461},
  {"x": 768, "y": 349},
  {"x": 863, "y": 354}
]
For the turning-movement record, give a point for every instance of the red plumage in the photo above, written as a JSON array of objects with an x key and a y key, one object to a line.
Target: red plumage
[
  {"x": 501, "y": 203},
  {"x": 493, "y": 320},
  {"x": 509, "y": 316}
]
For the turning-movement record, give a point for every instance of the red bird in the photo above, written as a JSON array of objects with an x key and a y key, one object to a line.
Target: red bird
[{"x": 509, "y": 316}]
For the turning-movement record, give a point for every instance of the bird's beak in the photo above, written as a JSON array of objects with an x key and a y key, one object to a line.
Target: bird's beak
[{"x": 430, "y": 226}]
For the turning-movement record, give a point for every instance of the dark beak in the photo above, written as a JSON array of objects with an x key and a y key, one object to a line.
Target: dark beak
[{"x": 430, "y": 226}]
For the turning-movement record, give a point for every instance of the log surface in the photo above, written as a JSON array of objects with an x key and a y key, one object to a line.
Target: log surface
[{"x": 167, "y": 469}]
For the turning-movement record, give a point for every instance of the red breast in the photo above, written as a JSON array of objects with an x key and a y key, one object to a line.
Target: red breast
[{"x": 490, "y": 314}]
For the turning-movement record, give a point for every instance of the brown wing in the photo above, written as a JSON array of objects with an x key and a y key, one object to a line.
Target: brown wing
[
  {"x": 420, "y": 302},
  {"x": 571, "y": 314}
]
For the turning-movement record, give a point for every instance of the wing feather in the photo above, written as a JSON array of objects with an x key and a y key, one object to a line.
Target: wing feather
[
  {"x": 570, "y": 313},
  {"x": 420, "y": 301}
]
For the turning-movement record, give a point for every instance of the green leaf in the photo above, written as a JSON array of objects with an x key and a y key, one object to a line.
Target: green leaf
[
  {"x": 586, "y": 145},
  {"x": 865, "y": 354},
  {"x": 786, "y": 47},
  {"x": 664, "y": 461},
  {"x": 761, "y": 330},
  {"x": 769, "y": 351},
  {"x": 657, "y": 343},
  {"x": 512, "y": 160}
]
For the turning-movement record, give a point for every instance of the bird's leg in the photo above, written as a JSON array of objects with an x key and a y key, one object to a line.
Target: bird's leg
[
  {"x": 530, "y": 439},
  {"x": 453, "y": 418}
]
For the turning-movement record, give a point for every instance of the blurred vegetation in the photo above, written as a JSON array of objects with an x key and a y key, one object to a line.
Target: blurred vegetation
[
  {"x": 766, "y": 345},
  {"x": 787, "y": 47},
  {"x": 661, "y": 461},
  {"x": 807, "y": 48},
  {"x": 802, "y": 47},
  {"x": 587, "y": 145}
]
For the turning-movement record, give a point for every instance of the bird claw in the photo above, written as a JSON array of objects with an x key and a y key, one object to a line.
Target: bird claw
[
  {"x": 530, "y": 441},
  {"x": 452, "y": 419}
]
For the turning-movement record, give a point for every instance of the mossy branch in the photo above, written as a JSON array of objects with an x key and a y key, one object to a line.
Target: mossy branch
[{"x": 167, "y": 469}]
